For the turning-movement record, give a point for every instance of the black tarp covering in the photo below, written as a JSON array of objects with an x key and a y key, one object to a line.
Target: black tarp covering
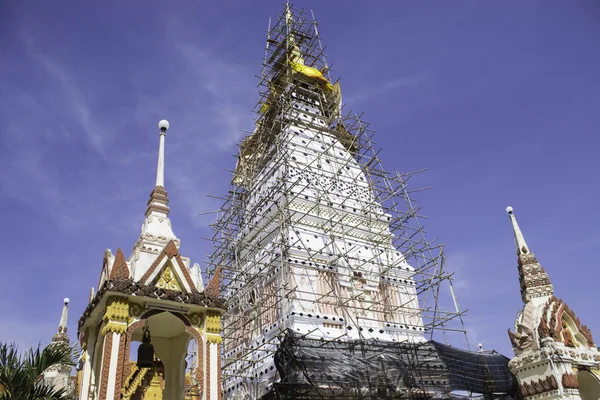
[
  {"x": 479, "y": 372},
  {"x": 369, "y": 369}
]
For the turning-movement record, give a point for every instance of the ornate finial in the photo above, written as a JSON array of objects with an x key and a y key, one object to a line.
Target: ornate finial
[{"x": 522, "y": 247}]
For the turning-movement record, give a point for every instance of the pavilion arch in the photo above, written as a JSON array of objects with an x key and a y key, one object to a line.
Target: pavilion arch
[
  {"x": 170, "y": 334},
  {"x": 589, "y": 385},
  {"x": 197, "y": 380},
  {"x": 570, "y": 326}
]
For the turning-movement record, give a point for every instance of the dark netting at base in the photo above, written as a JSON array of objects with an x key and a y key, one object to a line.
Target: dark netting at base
[
  {"x": 369, "y": 369},
  {"x": 479, "y": 372}
]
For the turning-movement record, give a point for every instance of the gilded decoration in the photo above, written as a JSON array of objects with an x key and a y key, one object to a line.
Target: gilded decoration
[
  {"x": 213, "y": 322},
  {"x": 211, "y": 338},
  {"x": 167, "y": 279},
  {"x": 192, "y": 392},
  {"x": 149, "y": 383},
  {"x": 133, "y": 380},
  {"x": 156, "y": 386},
  {"x": 116, "y": 316}
]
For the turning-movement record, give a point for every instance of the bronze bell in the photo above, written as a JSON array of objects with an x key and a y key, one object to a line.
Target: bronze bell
[{"x": 145, "y": 351}]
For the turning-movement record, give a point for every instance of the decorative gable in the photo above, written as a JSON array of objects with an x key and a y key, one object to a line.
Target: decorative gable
[
  {"x": 167, "y": 279},
  {"x": 560, "y": 323},
  {"x": 169, "y": 271}
]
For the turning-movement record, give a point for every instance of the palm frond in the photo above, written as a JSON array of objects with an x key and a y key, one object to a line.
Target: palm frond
[{"x": 21, "y": 374}]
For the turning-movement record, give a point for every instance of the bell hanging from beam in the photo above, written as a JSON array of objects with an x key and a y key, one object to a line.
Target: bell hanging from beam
[{"x": 145, "y": 351}]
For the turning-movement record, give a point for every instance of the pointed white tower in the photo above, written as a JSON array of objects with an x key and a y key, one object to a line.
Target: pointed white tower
[
  {"x": 59, "y": 375},
  {"x": 156, "y": 229},
  {"x": 61, "y": 335},
  {"x": 535, "y": 283},
  {"x": 554, "y": 351}
]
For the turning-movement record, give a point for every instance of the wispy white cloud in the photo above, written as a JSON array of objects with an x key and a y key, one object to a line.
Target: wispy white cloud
[
  {"x": 43, "y": 126},
  {"x": 68, "y": 94},
  {"x": 208, "y": 99},
  {"x": 384, "y": 88}
]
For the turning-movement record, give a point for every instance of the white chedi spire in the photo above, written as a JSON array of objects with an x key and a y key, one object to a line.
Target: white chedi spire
[
  {"x": 61, "y": 334},
  {"x": 156, "y": 230},
  {"x": 522, "y": 247},
  {"x": 62, "y": 326},
  {"x": 59, "y": 375}
]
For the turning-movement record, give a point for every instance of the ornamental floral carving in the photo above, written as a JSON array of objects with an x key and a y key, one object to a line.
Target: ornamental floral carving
[
  {"x": 541, "y": 386},
  {"x": 554, "y": 324},
  {"x": 569, "y": 381}
]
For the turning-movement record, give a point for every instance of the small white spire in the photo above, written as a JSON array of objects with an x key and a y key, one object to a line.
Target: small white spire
[
  {"x": 160, "y": 170},
  {"x": 62, "y": 326},
  {"x": 519, "y": 238},
  {"x": 156, "y": 230},
  {"x": 61, "y": 335}
]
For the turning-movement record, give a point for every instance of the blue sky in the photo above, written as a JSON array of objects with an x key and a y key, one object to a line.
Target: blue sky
[{"x": 499, "y": 100}]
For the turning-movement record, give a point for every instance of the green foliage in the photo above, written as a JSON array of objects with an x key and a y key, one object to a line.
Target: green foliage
[{"x": 21, "y": 374}]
